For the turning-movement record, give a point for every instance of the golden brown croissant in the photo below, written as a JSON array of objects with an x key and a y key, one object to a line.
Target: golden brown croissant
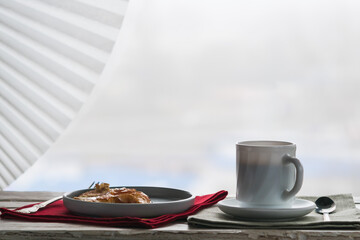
[{"x": 102, "y": 193}]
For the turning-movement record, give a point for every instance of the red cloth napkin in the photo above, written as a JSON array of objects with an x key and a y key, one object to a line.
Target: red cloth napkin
[{"x": 57, "y": 212}]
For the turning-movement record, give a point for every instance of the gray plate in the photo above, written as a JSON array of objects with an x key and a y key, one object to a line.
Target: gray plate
[
  {"x": 299, "y": 208},
  {"x": 164, "y": 201}
]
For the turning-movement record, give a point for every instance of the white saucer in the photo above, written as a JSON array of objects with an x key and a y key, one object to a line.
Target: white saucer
[{"x": 299, "y": 208}]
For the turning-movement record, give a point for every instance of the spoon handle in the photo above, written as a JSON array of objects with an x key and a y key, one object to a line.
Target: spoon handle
[{"x": 326, "y": 217}]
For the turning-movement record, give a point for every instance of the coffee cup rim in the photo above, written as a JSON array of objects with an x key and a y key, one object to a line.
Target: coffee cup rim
[{"x": 265, "y": 144}]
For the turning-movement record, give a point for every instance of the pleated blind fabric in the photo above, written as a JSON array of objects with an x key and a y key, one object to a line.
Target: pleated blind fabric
[{"x": 52, "y": 53}]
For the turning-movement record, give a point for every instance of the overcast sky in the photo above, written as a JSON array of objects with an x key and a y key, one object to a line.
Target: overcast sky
[{"x": 188, "y": 79}]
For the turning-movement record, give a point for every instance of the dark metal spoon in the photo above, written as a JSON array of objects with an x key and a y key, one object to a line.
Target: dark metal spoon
[{"x": 325, "y": 205}]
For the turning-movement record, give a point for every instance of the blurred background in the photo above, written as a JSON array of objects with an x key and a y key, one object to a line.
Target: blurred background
[{"x": 187, "y": 79}]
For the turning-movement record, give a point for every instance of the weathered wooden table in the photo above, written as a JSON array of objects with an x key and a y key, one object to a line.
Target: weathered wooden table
[{"x": 12, "y": 229}]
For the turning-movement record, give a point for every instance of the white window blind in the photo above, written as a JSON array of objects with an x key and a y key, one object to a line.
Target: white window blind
[{"x": 51, "y": 55}]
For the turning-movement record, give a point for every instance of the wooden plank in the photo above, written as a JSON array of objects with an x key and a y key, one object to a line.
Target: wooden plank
[
  {"x": 15, "y": 229},
  {"x": 16, "y": 225},
  {"x": 65, "y": 231},
  {"x": 16, "y": 204},
  {"x": 37, "y": 196}
]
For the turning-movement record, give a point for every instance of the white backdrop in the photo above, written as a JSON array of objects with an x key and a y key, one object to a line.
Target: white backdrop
[{"x": 188, "y": 79}]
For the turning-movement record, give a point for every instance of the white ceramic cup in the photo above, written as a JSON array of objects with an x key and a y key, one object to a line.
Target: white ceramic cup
[{"x": 268, "y": 173}]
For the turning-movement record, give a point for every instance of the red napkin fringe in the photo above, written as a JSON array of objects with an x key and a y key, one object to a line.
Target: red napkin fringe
[{"x": 56, "y": 212}]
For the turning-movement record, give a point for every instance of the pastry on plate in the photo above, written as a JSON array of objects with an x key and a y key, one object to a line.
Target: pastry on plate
[{"x": 104, "y": 194}]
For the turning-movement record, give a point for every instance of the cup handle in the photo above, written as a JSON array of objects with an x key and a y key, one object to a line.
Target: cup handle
[{"x": 287, "y": 159}]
